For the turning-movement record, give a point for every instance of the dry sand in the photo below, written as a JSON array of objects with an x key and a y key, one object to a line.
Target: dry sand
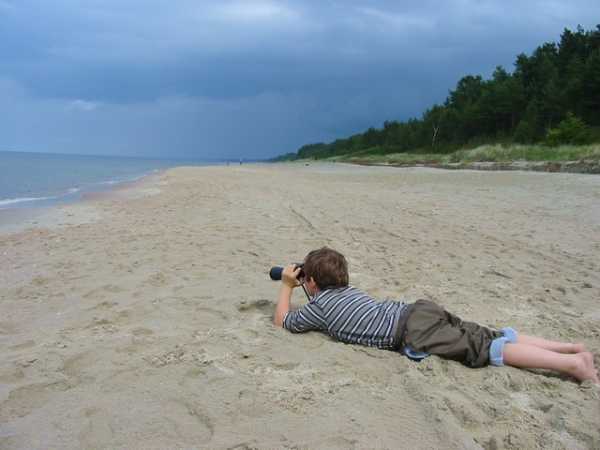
[{"x": 146, "y": 322}]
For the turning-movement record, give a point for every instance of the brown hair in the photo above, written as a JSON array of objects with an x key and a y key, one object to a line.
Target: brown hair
[{"x": 327, "y": 268}]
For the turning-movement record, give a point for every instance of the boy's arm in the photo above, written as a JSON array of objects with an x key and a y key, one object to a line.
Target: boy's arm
[
  {"x": 283, "y": 304},
  {"x": 289, "y": 281}
]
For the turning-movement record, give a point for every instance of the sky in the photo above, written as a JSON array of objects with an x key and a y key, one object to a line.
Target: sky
[{"x": 246, "y": 79}]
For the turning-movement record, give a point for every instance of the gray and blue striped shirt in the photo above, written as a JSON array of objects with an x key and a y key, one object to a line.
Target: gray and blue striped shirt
[{"x": 349, "y": 315}]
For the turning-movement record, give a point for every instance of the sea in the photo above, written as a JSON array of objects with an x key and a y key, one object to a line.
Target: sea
[{"x": 42, "y": 179}]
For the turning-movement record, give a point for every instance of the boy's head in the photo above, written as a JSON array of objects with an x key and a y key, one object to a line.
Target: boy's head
[{"x": 327, "y": 268}]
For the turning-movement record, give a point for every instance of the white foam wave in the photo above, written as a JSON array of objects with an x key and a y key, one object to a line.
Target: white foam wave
[{"x": 12, "y": 201}]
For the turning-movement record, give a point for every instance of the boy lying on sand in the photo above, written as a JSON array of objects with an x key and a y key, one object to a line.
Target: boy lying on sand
[{"x": 418, "y": 329}]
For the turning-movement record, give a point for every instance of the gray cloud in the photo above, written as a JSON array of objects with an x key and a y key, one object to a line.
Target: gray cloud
[{"x": 245, "y": 78}]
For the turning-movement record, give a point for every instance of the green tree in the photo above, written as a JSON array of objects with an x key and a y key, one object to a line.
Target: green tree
[
  {"x": 572, "y": 130},
  {"x": 591, "y": 81},
  {"x": 524, "y": 133},
  {"x": 432, "y": 120}
]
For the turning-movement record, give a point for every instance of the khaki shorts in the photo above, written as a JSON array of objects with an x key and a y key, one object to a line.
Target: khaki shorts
[{"x": 429, "y": 328}]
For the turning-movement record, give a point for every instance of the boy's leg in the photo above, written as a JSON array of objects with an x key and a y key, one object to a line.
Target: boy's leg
[
  {"x": 578, "y": 365},
  {"x": 559, "y": 347}
]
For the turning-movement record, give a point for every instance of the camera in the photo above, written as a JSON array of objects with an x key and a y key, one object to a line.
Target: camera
[{"x": 275, "y": 272}]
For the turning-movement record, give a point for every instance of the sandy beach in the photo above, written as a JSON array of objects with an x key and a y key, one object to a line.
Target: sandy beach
[{"x": 143, "y": 320}]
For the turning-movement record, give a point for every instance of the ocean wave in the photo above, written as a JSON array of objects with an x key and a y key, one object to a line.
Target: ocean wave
[{"x": 13, "y": 201}]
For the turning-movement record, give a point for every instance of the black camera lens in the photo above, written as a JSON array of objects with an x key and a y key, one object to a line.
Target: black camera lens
[{"x": 275, "y": 272}]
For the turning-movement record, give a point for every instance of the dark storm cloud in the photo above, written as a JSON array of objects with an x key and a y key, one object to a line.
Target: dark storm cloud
[{"x": 251, "y": 78}]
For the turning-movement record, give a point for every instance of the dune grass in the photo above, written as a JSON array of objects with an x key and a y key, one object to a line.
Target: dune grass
[
  {"x": 498, "y": 153},
  {"x": 485, "y": 153}
]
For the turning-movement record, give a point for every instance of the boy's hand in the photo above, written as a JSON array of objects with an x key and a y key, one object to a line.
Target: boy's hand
[
  {"x": 289, "y": 280},
  {"x": 289, "y": 276}
]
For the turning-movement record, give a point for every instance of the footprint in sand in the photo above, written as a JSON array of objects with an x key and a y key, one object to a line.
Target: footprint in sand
[
  {"x": 261, "y": 306},
  {"x": 99, "y": 430}
]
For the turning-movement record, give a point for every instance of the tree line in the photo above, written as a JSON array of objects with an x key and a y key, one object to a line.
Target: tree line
[{"x": 552, "y": 98}]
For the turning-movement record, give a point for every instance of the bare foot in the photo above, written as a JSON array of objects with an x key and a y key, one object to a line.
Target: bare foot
[{"x": 583, "y": 369}]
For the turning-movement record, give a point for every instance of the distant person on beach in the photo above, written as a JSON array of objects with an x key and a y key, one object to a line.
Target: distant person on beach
[{"x": 417, "y": 329}]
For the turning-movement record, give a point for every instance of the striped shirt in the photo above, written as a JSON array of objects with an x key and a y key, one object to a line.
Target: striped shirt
[{"x": 349, "y": 315}]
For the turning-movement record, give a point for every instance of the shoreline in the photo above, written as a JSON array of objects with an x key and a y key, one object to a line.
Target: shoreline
[
  {"x": 145, "y": 321},
  {"x": 67, "y": 213}
]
